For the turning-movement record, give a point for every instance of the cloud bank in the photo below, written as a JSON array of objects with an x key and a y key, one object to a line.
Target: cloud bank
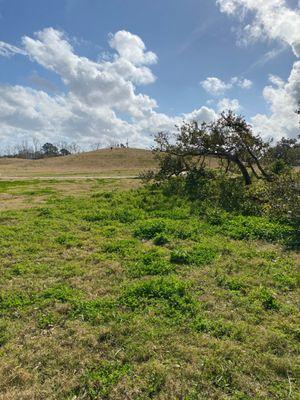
[{"x": 101, "y": 101}]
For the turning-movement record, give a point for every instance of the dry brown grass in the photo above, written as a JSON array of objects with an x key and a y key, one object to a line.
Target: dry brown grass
[{"x": 103, "y": 162}]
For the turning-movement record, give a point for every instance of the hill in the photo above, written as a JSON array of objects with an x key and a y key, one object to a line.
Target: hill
[{"x": 116, "y": 162}]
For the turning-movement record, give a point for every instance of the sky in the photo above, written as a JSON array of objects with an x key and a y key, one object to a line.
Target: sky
[{"x": 97, "y": 71}]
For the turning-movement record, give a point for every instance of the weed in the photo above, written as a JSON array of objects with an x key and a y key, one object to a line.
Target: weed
[
  {"x": 99, "y": 381},
  {"x": 149, "y": 229},
  {"x": 198, "y": 256},
  {"x": 161, "y": 239},
  {"x": 170, "y": 290}
]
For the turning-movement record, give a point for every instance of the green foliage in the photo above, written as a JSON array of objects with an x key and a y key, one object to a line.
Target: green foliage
[
  {"x": 14, "y": 300},
  {"x": 231, "y": 283},
  {"x": 99, "y": 381},
  {"x": 246, "y": 227},
  {"x": 161, "y": 239},
  {"x": 266, "y": 298},
  {"x": 67, "y": 240},
  {"x": 219, "y": 328},
  {"x": 93, "y": 311},
  {"x": 46, "y": 321},
  {"x": 170, "y": 290},
  {"x": 149, "y": 229},
  {"x": 60, "y": 292},
  {"x": 121, "y": 247},
  {"x": 150, "y": 263},
  {"x": 285, "y": 281},
  {"x": 198, "y": 256}
]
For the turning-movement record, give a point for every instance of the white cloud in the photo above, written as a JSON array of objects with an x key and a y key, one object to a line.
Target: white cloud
[
  {"x": 272, "y": 19},
  {"x": 203, "y": 114},
  {"x": 229, "y": 104},
  {"x": 245, "y": 83},
  {"x": 100, "y": 101},
  {"x": 131, "y": 48},
  {"x": 216, "y": 87},
  {"x": 283, "y": 98},
  {"x": 8, "y": 50}
]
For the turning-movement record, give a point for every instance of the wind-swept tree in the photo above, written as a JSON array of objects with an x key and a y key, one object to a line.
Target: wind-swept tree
[{"x": 230, "y": 138}]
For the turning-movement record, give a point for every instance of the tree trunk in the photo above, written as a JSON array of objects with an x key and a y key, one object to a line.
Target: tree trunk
[{"x": 244, "y": 171}]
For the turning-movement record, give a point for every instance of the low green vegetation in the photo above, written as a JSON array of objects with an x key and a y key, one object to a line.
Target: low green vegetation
[{"x": 144, "y": 294}]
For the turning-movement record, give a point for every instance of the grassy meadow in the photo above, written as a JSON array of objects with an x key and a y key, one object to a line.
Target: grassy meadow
[{"x": 110, "y": 290}]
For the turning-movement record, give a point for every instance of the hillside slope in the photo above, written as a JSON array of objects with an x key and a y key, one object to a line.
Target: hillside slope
[{"x": 100, "y": 162}]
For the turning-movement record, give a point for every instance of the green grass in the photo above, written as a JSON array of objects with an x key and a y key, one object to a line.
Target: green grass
[{"x": 114, "y": 294}]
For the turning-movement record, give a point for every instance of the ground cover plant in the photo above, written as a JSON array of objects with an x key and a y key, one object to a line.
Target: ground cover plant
[{"x": 109, "y": 293}]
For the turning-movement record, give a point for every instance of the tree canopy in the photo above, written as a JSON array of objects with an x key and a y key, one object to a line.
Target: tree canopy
[{"x": 230, "y": 139}]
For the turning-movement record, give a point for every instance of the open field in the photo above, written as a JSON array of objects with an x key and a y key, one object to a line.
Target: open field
[
  {"x": 113, "y": 291},
  {"x": 106, "y": 162}
]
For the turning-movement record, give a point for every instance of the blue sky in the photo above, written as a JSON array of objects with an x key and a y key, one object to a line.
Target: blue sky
[{"x": 192, "y": 39}]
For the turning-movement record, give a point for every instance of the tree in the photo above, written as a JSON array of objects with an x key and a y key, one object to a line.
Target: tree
[
  {"x": 286, "y": 151},
  {"x": 229, "y": 138},
  {"x": 50, "y": 150},
  {"x": 64, "y": 152}
]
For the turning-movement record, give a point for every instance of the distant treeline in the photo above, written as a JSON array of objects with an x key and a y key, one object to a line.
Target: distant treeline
[{"x": 36, "y": 151}]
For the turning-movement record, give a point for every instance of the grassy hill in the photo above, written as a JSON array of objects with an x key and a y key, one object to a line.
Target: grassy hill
[{"x": 101, "y": 162}]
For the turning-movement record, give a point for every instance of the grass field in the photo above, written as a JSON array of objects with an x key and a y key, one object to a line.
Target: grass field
[
  {"x": 113, "y": 291},
  {"x": 116, "y": 162},
  {"x": 100, "y": 163}
]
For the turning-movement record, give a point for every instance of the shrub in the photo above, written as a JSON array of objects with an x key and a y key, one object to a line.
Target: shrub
[{"x": 67, "y": 240}]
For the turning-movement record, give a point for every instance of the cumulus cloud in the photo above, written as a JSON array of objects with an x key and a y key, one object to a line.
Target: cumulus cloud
[
  {"x": 229, "y": 104},
  {"x": 132, "y": 48},
  {"x": 283, "y": 99},
  {"x": 272, "y": 19},
  {"x": 203, "y": 114},
  {"x": 216, "y": 87},
  {"x": 100, "y": 101}
]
